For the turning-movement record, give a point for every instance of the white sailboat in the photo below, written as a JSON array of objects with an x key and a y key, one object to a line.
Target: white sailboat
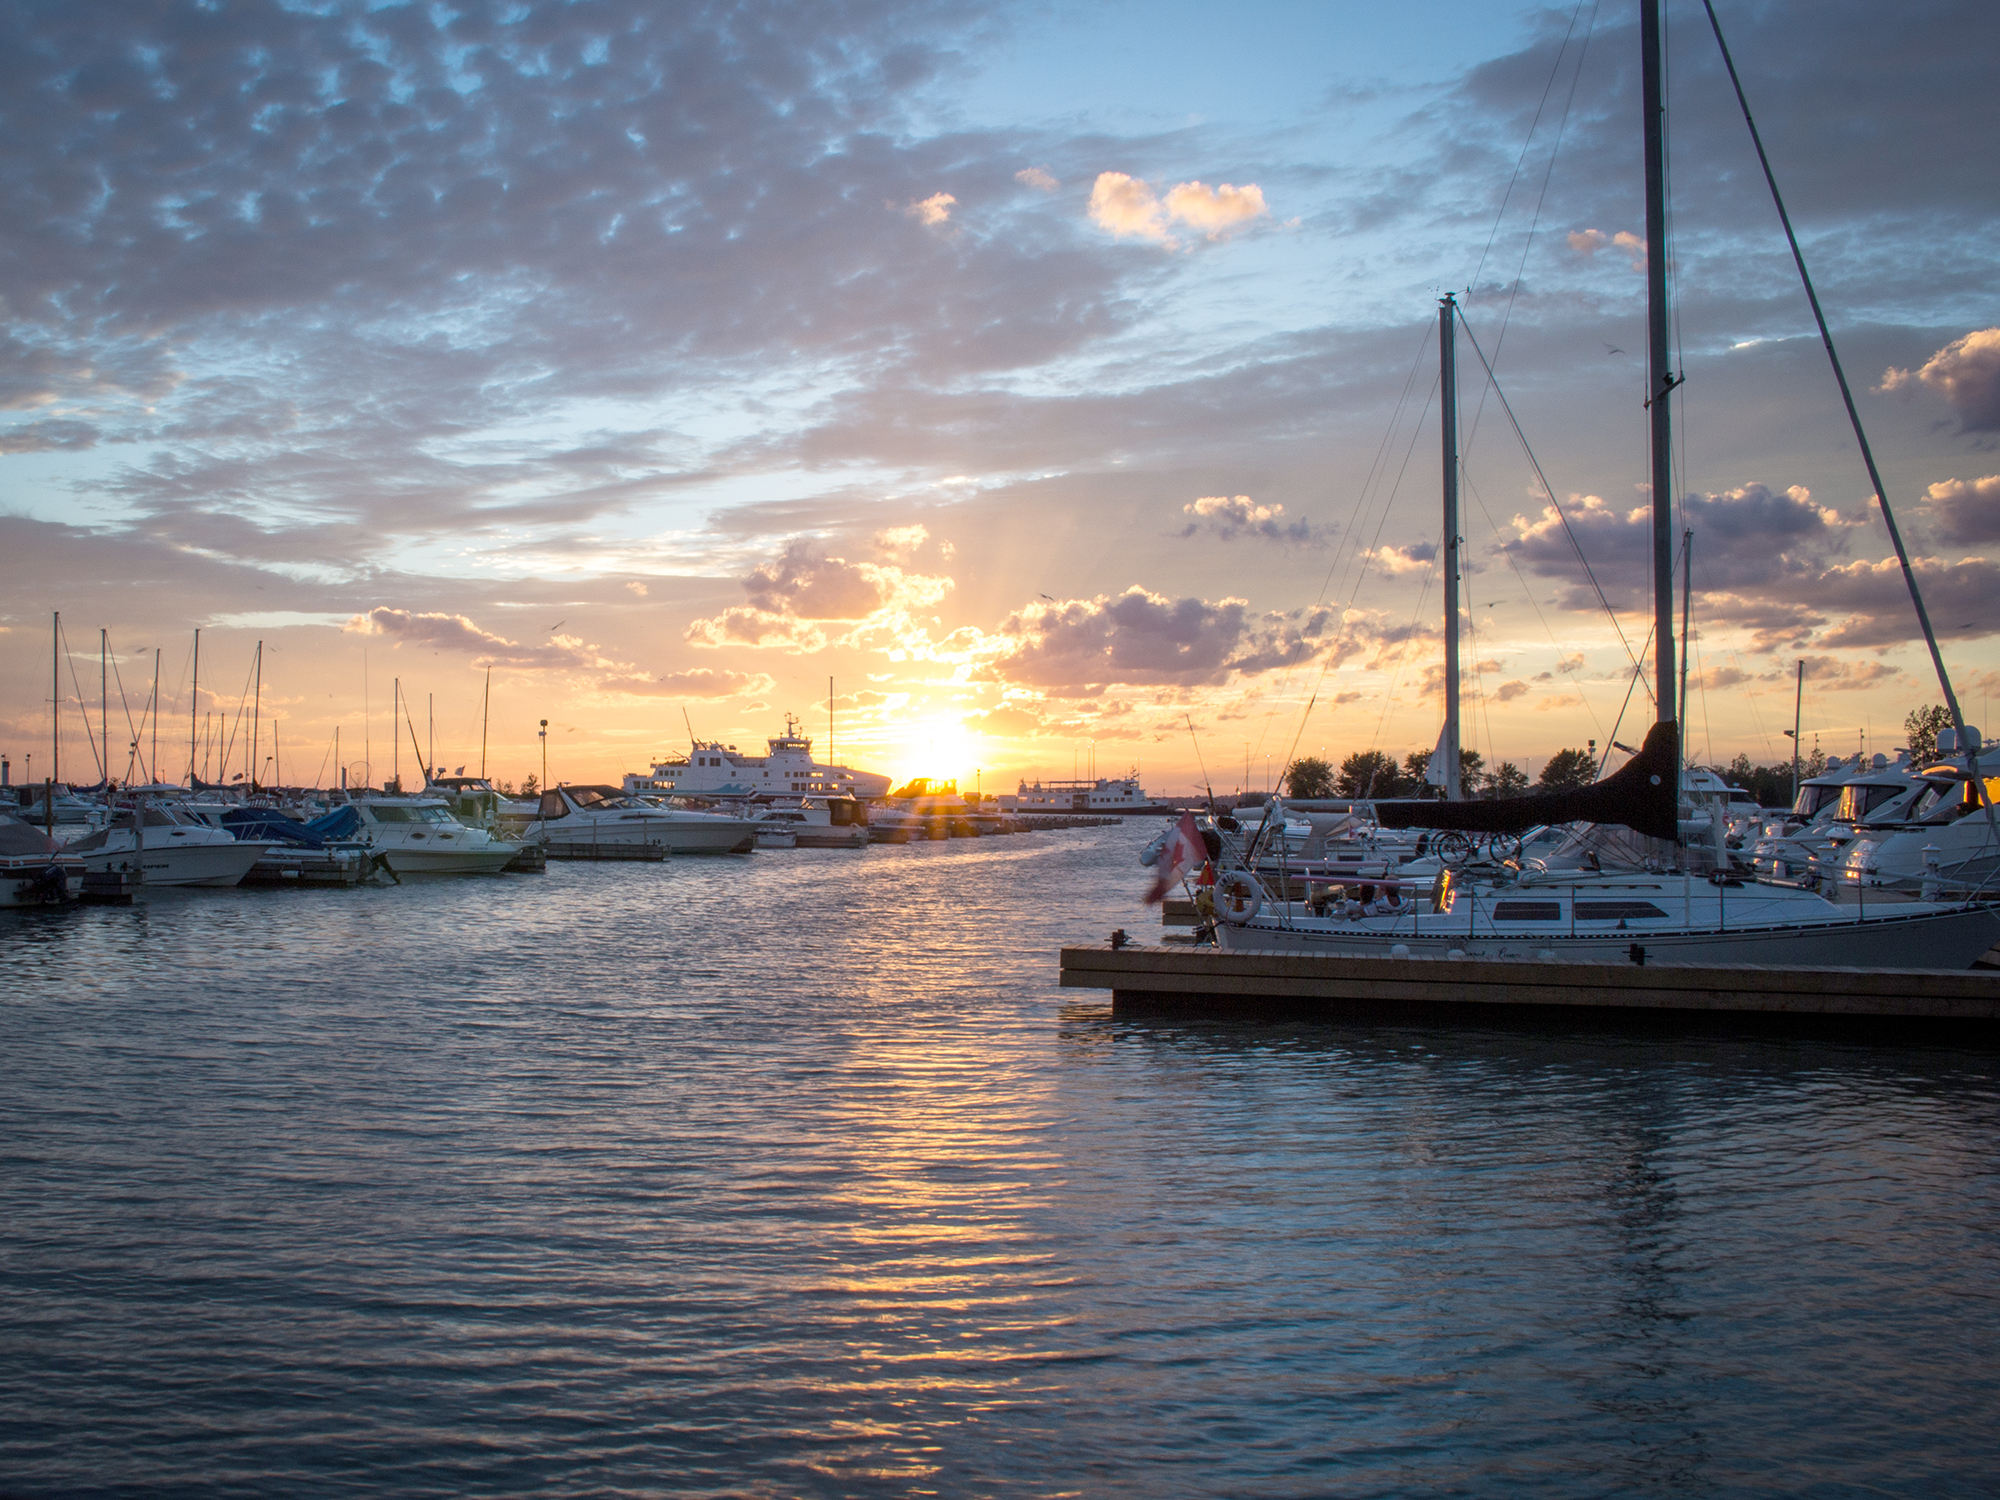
[{"x": 1680, "y": 898}]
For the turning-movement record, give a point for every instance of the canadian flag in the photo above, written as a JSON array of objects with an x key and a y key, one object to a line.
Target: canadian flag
[{"x": 1182, "y": 851}]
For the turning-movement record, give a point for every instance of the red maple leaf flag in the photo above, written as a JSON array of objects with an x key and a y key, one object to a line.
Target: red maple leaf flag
[{"x": 1182, "y": 851}]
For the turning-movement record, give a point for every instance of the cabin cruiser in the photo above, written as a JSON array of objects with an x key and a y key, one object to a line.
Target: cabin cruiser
[
  {"x": 1943, "y": 840},
  {"x": 787, "y": 768},
  {"x": 818, "y": 822},
  {"x": 1822, "y": 820},
  {"x": 34, "y": 870},
  {"x": 167, "y": 845},
  {"x": 601, "y": 816},
  {"x": 413, "y": 836}
]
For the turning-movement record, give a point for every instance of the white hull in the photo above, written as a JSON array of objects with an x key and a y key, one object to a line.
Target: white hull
[
  {"x": 1926, "y": 939},
  {"x": 724, "y": 836},
  {"x": 22, "y": 883},
  {"x": 488, "y": 859},
  {"x": 181, "y": 864}
]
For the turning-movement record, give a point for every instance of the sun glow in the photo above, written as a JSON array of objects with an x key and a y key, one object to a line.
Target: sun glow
[{"x": 940, "y": 748}]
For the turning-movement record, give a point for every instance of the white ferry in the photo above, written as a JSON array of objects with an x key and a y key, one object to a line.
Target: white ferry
[
  {"x": 787, "y": 769},
  {"x": 1103, "y": 795}
]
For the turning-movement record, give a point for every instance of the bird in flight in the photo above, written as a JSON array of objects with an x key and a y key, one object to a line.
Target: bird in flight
[
  {"x": 1612, "y": 349},
  {"x": 1050, "y": 597},
  {"x": 559, "y": 625}
]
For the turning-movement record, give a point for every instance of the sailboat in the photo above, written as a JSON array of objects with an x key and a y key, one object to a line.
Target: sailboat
[{"x": 1653, "y": 904}]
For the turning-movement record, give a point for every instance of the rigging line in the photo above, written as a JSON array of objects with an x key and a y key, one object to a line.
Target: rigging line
[
  {"x": 119, "y": 678},
  {"x": 1424, "y": 594},
  {"x": 1507, "y": 318},
  {"x": 1549, "y": 490},
  {"x": 1978, "y": 782},
  {"x": 1482, "y": 705},
  {"x": 1389, "y": 699},
  {"x": 83, "y": 713},
  {"x": 1555, "y": 71},
  {"x": 1533, "y": 602},
  {"x": 1368, "y": 483}
]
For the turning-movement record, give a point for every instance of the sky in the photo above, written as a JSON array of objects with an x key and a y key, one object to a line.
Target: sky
[{"x": 1057, "y": 382}]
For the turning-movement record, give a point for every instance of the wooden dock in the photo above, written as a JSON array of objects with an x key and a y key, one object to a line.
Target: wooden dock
[{"x": 1209, "y": 982}]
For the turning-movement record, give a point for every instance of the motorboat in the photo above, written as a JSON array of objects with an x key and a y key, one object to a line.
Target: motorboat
[
  {"x": 167, "y": 846},
  {"x": 604, "y": 816},
  {"x": 1946, "y": 840},
  {"x": 34, "y": 869},
  {"x": 413, "y": 835},
  {"x": 819, "y": 822}
]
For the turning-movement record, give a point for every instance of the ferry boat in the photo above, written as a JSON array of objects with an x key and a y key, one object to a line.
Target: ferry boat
[
  {"x": 786, "y": 769},
  {"x": 1103, "y": 795}
]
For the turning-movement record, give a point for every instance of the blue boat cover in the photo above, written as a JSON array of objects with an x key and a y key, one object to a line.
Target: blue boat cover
[
  {"x": 342, "y": 822},
  {"x": 260, "y": 825}
]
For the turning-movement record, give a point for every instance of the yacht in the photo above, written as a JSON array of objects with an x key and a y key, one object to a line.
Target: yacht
[
  {"x": 602, "y": 816},
  {"x": 1098, "y": 795},
  {"x": 167, "y": 845},
  {"x": 819, "y": 822},
  {"x": 34, "y": 870},
  {"x": 786, "y": 769},
  {"x": 413, "y": 836}
]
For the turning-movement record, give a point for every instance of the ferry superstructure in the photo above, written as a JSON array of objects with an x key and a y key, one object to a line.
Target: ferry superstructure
[
  {"x": 1101, "y": 795},
  {"x": 787, "y": 769}
]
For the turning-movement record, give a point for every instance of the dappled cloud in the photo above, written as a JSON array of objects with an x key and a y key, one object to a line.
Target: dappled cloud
[
  {"x": 1128, "y": 208},
  {"x": 1966, "y": 372}
]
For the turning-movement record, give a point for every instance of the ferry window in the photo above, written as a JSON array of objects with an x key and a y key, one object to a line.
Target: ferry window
[
  {"x": 1615, "y": 911},
  {"x": 1527, "y": 911}
]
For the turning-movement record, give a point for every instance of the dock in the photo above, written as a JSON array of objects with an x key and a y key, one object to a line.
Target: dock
[{"x": 1211, "y": 983}]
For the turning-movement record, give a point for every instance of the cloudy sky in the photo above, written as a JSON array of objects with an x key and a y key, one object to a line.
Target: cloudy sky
[{"x": 1049, "y": 376}]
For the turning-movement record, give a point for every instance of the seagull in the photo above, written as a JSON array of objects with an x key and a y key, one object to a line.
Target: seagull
[
  {"x": 1612, "y": 349},
  {"x": 559, "y": 625},
  {"x": 1050, "y": 597}
]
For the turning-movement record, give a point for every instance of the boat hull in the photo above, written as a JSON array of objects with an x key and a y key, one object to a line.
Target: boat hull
[
  {"x": 1952, "y": 939},
  {"x": 214, "y": 865},
  {"x": 487, "y": 859}
]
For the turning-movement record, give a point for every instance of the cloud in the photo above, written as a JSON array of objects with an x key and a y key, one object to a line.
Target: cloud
[
  {"x": 1226, "y": 518},
  {"x": 1008, "y": 721},
  {"x": 636, "y": 587},
  {"x": 52, "y": 435},
  {"x": 1588, "y": 242},
  {"x": 935, "y": 209},
  {"x": 1215, "y": 211},
  {"x": 445, "y": 632},
  {"x": 1830, "y": 674},
  {"x": 1966, "y": 372},
  {"x": 1037, "y": 177},
  {"x": 697, "y": 682},
  {"x": 1127, "y": 208},
  {"x": 898, "y": 542},
  {"x": 1078, "y": 647},
  {"x": 795, "y": 595},
  {"x": 1967, "y": 512},
  {"x": 1508, "y": 691},
  {"x": 1412, "y": 557}
]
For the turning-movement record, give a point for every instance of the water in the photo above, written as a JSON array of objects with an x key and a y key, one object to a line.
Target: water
[{"x": 797, "y": 1175}]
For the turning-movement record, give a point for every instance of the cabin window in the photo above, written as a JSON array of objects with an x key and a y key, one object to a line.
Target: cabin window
[
  {"x": 553, "y": 805},
  {"x": 395, "y": 814},
  {"x": 1616, "y": 911},
  {"x": 1527, "y": 911}
]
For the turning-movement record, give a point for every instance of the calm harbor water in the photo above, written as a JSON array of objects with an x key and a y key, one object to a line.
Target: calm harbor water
[{"x": 796, "y": 1175}]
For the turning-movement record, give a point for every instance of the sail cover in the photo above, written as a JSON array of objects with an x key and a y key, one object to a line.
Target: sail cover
[{"x": 1643, "y": 795}]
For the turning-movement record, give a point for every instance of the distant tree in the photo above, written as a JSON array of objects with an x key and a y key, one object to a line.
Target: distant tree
[
  {"x": 1814, "y": 764},
  {"x": 1369, "y": 773},
  {"x": 1309, "y": 777},
  {"x": 1922, "y": 726},
  {"x": 530, "y": 787},
  {"x": 1471, "y": 770},
  {"x": 1415, "y": 764},
  {"x": 1508, "y": 780},
  {"x": 1567, "y": 770},
  {"x": 505, "y": 788}
]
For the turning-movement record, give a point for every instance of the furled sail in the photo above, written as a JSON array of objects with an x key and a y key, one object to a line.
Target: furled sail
[{"x": 1643, "y": 795}]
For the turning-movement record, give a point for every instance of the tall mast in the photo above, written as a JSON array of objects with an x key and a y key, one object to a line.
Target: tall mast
[
  {"x": 256, "y": 715},
  {"x": 194, "y": 709},
  {"x": 1448, "y": 399},
  {"x": 55, "y": 700},
  {"x": 829, "y": 718},
  {"x": 156, "y": 715},
  {"x": 104, "y": 704},
  {"x": 1659, "y": 366},
  {"x": 485, "y": 712}
]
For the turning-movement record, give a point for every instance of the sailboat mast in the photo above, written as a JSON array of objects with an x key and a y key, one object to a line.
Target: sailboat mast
[
  {"x": 194, "y": 710},
  {"x": 1798, "y": 708},
  {"x": 55, "y": 702},
  {"x": 104, "y": 705},
  {"x": 256, "y": 715},
  {"x": 1448, "y": 406},
  {"x": 1659, "y": 359},
  {"x": 485, "y": 713},
  {"x": 156, "y": 715}
]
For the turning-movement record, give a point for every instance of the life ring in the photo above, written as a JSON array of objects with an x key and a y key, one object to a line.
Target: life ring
[{"x": 1238, "y": 896}]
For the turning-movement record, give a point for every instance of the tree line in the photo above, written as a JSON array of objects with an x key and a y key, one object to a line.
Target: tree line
[{"x": 1376, "y": 773}]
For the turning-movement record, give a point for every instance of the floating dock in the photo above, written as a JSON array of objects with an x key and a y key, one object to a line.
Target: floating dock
[{"x": 1216, "y": 984}]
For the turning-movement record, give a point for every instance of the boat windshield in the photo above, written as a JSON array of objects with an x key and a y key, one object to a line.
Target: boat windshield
[
  {"x": 1813, "y": 798},
  {"x": 1860, "y": 798},
  {"x": 393, "y": 814}
]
